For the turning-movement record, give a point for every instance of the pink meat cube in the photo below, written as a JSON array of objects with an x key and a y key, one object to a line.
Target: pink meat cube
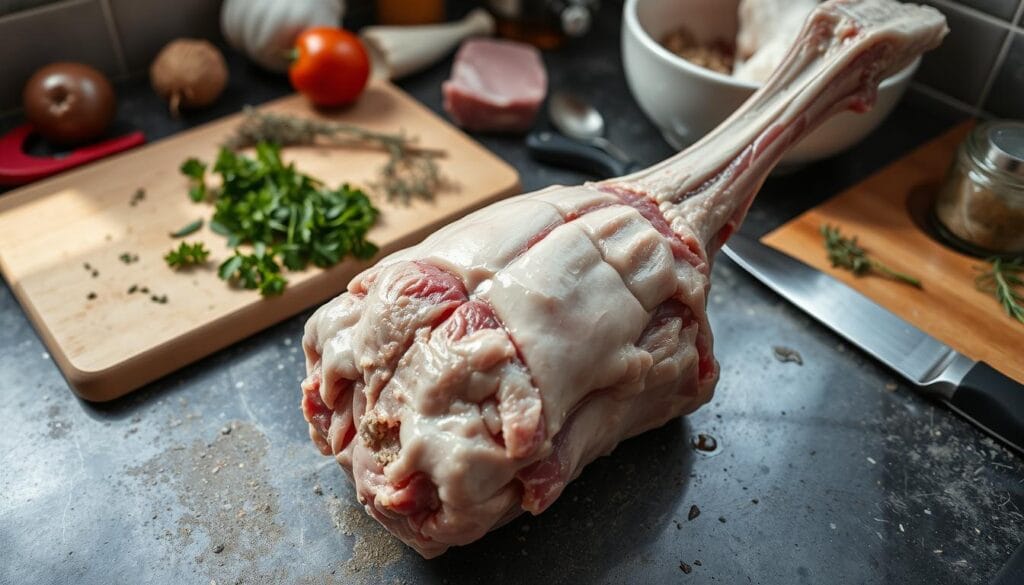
[{"x": 496, "y": 86}]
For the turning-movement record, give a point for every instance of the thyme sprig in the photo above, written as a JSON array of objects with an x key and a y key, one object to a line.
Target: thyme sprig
[
  {"x": 1004, "y": 279},
  {"x": 846, "y": 253},
  {"x": 410, "y": 172}
]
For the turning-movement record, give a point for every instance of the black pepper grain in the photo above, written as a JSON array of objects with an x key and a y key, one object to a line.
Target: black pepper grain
[{"x": 694, "y": 512}]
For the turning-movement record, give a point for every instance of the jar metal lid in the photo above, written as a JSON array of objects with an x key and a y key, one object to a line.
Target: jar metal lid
[{"x": 1004, "y": 146}]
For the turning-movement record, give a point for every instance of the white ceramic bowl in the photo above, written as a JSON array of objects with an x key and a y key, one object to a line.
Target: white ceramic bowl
[{"x": 686, "y": 101}]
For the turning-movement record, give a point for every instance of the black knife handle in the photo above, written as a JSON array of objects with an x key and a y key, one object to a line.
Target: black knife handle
[
  {"x": 555, "y": 149},
  {"x": 994, "y": 401}
]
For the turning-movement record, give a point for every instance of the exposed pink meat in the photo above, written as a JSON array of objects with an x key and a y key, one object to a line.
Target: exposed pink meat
[
  {"x": 496, "y": 86},
  {"x": 470, "y": 378}
]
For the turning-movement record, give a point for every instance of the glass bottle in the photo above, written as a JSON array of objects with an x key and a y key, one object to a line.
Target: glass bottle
[
  {"x": 544, "y": 23},
  {"x": 981, "y": 205}
]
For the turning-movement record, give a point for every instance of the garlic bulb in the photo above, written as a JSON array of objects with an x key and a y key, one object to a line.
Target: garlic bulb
[{"x": 264, "y": 30}]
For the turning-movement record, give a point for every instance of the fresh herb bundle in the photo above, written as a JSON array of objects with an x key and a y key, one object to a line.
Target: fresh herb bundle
[
  {"x": 187, "y": 255},
  {"x": 1004, "y": 278},
  {"x": 285, "y": 215},
  {"x": 845, "y": 253},
  {"x": 410, "y": 172}
]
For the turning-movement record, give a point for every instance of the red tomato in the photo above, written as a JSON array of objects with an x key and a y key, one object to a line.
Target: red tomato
[{"x": 331, "y": 66}]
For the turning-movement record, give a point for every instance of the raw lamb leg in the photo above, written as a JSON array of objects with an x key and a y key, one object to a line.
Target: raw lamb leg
[{"x": 465, "y": 380}]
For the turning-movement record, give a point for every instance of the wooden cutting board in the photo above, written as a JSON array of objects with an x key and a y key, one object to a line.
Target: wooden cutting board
[
  {"x": 116, "y": 342},
  {"x": 889, "y": 213}
]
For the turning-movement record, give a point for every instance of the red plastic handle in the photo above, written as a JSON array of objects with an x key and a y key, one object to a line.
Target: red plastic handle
[{"x": 18, "y": 168}]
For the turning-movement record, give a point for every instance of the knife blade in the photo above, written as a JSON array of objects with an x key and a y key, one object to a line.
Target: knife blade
[{"x": 975, "y": 390}]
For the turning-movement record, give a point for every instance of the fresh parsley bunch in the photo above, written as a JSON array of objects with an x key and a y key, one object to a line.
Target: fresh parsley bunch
[
  {"x": 285, "y": 215},
  {"x": 257, "y": 270}
]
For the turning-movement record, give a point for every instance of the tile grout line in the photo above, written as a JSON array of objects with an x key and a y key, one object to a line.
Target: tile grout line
[
  {"x": 947, "y": 100},
  {"x": 115, "y": 37},
  {"x": 977, "y": 14},
  {"x": 43, "y": 9},
  {"x": 997, "y": 65}
]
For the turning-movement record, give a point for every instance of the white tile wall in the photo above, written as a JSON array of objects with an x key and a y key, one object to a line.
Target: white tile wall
[{"x": 119, "y": 37}]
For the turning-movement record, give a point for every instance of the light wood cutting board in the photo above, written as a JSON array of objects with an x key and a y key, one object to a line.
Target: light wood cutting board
[
  {"x": 116, "y": 342},
  {"x": 886, "y": 212}
]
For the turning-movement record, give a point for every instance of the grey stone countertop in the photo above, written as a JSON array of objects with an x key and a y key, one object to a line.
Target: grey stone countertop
[{"x": 832, "y": 471}]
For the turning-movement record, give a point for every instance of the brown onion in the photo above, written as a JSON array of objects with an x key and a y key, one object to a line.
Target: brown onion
[{"x": 68, "y": 103}]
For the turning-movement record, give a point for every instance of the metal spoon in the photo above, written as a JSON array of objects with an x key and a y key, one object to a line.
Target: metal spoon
[{"x": 575, "y": 118}]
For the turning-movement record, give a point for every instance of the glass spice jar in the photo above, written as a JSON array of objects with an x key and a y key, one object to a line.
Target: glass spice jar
[{"x": 981, "y": 205}]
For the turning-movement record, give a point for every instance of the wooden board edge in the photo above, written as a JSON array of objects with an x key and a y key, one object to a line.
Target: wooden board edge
[
  {"x": 25, "y": 193},
  {"x": 782, "y": 237},
  {"x": 112, "y": 382},
  {"x": 108, "y": 383}
]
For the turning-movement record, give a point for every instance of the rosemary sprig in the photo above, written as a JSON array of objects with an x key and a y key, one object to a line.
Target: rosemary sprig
[
  {"x": 846, "y": 253},
  {"x": 410, "y": 171},
  {"x": 1002, "y": 279}
]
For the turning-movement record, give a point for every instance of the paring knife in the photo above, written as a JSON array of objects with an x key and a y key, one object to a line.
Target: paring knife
[{"x": 973, "y": 389}]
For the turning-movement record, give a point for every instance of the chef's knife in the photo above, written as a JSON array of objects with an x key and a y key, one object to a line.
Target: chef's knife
[{"x": 975, "y": 390}]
